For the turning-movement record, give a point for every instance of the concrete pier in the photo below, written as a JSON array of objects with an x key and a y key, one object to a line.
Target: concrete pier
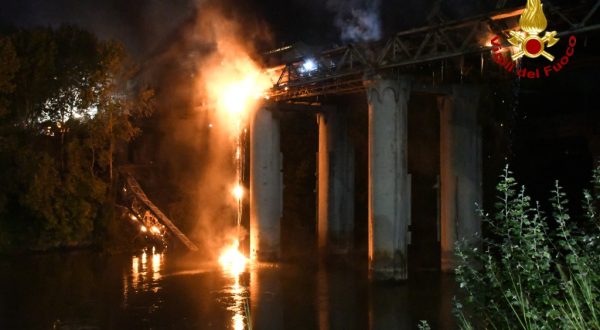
[
  {"x": 388, "y": 189},
  {"x": 265, "y": 187},
  {"x": 335, "y": 184},
  {"x": 460, "y": 170}
]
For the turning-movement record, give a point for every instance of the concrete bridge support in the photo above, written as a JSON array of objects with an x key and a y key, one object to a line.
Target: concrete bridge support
[
  {"x": 335, "y": 184},
  {"x": 460, "y": 170},
  {"x": 388, "y": 178},
  {"x": 265, "y": 187}
]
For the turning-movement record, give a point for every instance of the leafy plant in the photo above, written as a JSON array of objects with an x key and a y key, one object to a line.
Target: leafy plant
[
  {"x": 423, "y": 325},
  {"x": 532, "y": 271}
]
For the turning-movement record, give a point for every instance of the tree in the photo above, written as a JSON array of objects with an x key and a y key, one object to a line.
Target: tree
[{"x": 69, "y": 105}]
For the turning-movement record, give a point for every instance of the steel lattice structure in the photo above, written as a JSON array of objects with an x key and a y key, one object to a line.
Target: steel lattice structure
[{"x": 342, "y": 70}]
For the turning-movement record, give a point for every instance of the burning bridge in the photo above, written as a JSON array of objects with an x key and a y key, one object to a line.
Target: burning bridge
[{"x": 389, "y": 73}]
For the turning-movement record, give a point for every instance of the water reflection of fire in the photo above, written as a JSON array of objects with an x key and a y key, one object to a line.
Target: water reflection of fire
[
  {"x": 238, "y": 292},
  {"x": 234, "y": 264},
  {"x": 145, "y": 274}
]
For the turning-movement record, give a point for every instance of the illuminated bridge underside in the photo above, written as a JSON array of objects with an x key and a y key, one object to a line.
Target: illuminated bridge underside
[{"x": 342, "y": 70}]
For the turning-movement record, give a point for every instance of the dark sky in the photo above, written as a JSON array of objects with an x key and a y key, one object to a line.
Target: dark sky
[
  {"x": 141, "y": 25},
  {"x": 144, "y": 24}
]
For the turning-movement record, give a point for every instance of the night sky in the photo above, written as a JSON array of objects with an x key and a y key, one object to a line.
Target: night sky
[{"x": 144, "y": 25}]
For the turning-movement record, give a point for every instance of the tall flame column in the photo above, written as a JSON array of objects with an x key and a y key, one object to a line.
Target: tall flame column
[
  {"x": 460, "y": 170},
  {"x": 335, "y": 184},
  {"x": 388, "y": 178},
  {"x": 265, "y": 186}
]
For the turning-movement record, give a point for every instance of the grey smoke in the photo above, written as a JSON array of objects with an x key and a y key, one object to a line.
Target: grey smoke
[{"x": 357, "y": 20}]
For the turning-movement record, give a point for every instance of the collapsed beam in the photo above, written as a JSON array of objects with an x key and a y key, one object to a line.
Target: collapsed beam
[{"x": 136, "y": 192}]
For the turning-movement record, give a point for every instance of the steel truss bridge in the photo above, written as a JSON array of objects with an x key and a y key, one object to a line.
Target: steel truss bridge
[{"x": 343, "y": 70}]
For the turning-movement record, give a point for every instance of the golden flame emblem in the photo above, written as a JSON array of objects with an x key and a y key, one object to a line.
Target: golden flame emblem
[{"x": 533, "y": 22}]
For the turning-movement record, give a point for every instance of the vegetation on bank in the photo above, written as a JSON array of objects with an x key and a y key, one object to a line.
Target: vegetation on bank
[
  {"x": 67, "y": 111},
  {"x": 532, "y": 270}
]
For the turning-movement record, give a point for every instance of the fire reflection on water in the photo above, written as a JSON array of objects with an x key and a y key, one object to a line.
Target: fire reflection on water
[
  {"x": 144, "y": 276},
  {"x": 239, "y": 295},
  {"x": 233, "y": 264},
  {"x": 156, "y": 265}
]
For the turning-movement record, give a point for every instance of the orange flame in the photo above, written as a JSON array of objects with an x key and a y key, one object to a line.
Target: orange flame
[
  {"x": 238, "y": 192},
  {"x": 232, "y": 260},
  {"x": 234, "y": 83}
]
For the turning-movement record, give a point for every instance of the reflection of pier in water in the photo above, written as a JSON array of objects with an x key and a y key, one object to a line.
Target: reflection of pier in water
[{"x": 316, "y": 297}]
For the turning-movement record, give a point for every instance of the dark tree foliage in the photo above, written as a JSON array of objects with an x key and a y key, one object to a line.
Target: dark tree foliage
[{"x": 67, "y": 105}]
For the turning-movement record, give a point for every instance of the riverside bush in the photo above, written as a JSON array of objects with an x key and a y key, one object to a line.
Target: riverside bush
[{"x": 532, "y": 270}]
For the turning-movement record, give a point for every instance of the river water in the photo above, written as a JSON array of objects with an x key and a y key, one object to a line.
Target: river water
[{"x": 159, "y": 290}]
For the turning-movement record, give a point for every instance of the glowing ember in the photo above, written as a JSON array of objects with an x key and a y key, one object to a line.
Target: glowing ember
[
  {"x": 238, "y": 192},
  {"x": 155, "y": 230},
  {"x": 143, "y": 229},
  {"x": 232, "y": 260}
]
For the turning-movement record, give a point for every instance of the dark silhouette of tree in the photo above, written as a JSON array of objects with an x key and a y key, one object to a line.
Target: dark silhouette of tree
[{"x": 68, "y": 103}]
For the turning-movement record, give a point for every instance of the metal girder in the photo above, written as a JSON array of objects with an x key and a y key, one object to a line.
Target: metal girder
[
  {"x": 139, "y": 200},
  {"x": 342, "y": 69}
]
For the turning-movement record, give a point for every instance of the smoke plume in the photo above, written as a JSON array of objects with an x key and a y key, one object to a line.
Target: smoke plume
[
  {"x": 208, "y": 72},
  {"x": 357, "y": 20}
]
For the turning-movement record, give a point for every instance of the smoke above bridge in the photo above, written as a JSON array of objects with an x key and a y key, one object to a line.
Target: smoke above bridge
[{"x": 357, "y": 20}]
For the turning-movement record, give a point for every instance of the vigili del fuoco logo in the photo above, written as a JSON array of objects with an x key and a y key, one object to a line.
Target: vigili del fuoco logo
[{"x": 533, "y": 41}]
